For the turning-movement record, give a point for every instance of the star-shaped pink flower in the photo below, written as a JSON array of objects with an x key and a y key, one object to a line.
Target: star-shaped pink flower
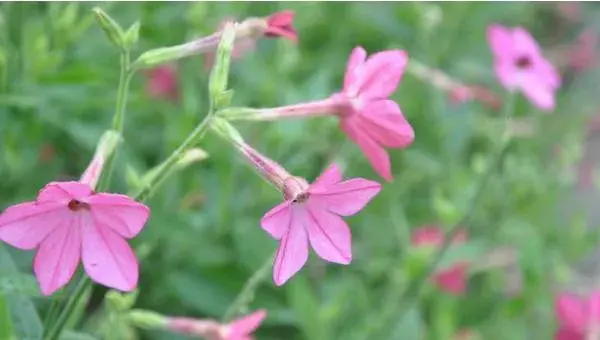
[
  {"x": 577, "y": 316},
  {"x": 69, "y": 222},
  {"x": 369, "y": 117},
  {"x": 312, "y": 214},
  {"x": 520, "y": 65}
]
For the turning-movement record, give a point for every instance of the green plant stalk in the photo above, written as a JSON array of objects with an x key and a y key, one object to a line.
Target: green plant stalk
[
  {"x": 124, "y": 80},
  {"x": 411, "y": 294},
  {"x": 246, "y": 295}
]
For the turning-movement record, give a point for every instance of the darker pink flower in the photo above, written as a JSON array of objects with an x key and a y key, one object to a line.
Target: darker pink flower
[
  {"x": 369, "y": 117},
  {"x": 453, "y": 279},
  {"x": 162, "y": 83},
  {"x": 280, "y": 24},
  {"x": 520, "y": 65},
  {"x": 240, "y": 329},
  {"x": 577, "y": 316},
  {"x": 69, "y": 222},
  {"x": 312, "y": 214}
]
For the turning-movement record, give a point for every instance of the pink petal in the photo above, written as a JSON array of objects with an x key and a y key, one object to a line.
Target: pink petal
[
  {"x": 329, "y": 235},
  {"x": 107, "y": 258},
  {"x": 427, "y": 236},
  {"x": 568, "y": 334},
  {"x": 593, "y": 303},
  {"x": 329, "y": 177},
  {"x": 354, "y": 70},
  {"x": 119, "y": 212},
  {"x": 377, "y": 156},
  {"x": 524, "y": 43},
  {"x": 246, "y": 325},
  {"x": 500, "y": 41},
  {"x": 348, "y": 197},
  {"x": 382, "y": 73},
  {"x": 570, "y": 311},
  {"x": 64, "y": 191},
  {"x": 384, "y": 121},
  {"x": 538, "y": 92},
  {"x": 26, "y": 225},
  {"x": 278, "y": 220},
  {"x": 453, "y": 280},
  {"x": 292, "y": 253},
  {"x": 548, "y": 73},
  {"x": 508, "y": 75},
  {"x": 58, "y": 256}
]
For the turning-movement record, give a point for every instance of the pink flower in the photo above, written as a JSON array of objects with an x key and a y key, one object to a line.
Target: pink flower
[
  {"x": 369, "y": 118},
  {"x": 240, "y": 329},
  {"x": 577, "y": 317},
  {"x": 162, "y": 83},
  {"x": 280, "y": 24},
  {"x": 453, "y": 279},
  {"x": 312, "y": 214},
  {"x": 582, "y": 54},
  {"x": 69, "y": 221},
  {"x": 520, "y": 65}
]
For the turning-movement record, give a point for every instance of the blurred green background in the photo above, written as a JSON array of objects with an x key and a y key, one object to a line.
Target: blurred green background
[{"x": 58, "y": 81}]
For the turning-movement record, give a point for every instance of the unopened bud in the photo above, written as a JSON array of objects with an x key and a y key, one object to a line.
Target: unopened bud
[
  {"x": 120, "y": 302},
  {"x": 220, "y": 72},
  {"x": 106, "y": 146},
  {"x": 132, "y": 35},
  {"x": 111, "y": 28},
  {"x": 146, "y": 319}
]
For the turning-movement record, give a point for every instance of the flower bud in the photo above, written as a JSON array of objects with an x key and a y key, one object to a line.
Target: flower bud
[
  {"x": 106, "y": 146},
  {"x": 146, "y": 319},
  {"x": 220, "y": 72},
  {"x": 120, "y": 302},
  {"x": 132, "y": 35},
  {"x": 111, "y": 28}
]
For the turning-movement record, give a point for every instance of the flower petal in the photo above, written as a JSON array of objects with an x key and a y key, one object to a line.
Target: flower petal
[
  {"x": 384, "y": 121},
  {"x": 107, "y": 258},
  {"x": 508, "y": 75},
  {"x": 26, "y": 225},
  {"x": 329, "y": 177},
  {"x": 524, "y": 44},
  {"x": 348, "y": 197},
  {"x": 292, "y": 253},
  {"x": 329, "y": 235},
  {"x": 278, "y": 220},
  {"x": 382, "y": 73},
  {"x": 246, "y": 325},
  {"x": 58, "y": 256},
  {"x": 119, "y": 212},
  {"x": 377, "y": 156},
  {"x": 501, "y": 41},
  {"x": 538, "y": 92},
  {"x": 452, "y": 280},
  {"x": 427, "y": 236},
  {"x": 568, "y": 334},
  {"x": 64, "y": 191},
  {"x": 571, "y": 311},
  {"x": 354, "y": 70}
]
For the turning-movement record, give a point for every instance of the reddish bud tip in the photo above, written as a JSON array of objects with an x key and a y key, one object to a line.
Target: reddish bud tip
[{"x": 280, "y": 24}]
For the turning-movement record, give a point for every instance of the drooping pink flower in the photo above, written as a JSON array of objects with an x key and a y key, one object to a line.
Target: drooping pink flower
[
  {"x": 69, "y": 222},
  {"x": 162, "y": 83},
  {"x": 578, "y": 317},
  {"x": 312, "y": 214},
  {"x": 453, "y": 279},
  {"x": 240, "y": 329},
  {"x": 520, "y": 65},
  {"x": 280, "y": 24}
]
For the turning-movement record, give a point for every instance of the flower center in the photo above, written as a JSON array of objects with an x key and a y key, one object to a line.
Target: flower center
[
  {"x": 295, "y": 189},
  {"x": 75, "y": 205},
  {"x": 523, "y": 62}
]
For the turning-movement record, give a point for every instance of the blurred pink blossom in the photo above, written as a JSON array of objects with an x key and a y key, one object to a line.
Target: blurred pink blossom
[
  {"x": 313, "y": 214},
  {"x": 520, "y": 65},
  {"x": 69, "y": 222},
  {"x": 582, "y": 54},
  {"x": 453, "y": 279},
  {"x": 280, "y": 24},
  {"x": 162, "y": 83},
  {"x": 578, "y": 317},
  {"x": 240, "y": 329},
  {"x": 569, "y": 10}
]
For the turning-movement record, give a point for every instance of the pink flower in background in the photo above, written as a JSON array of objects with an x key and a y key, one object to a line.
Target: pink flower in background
[
  {"x": 451, "y": 280},
  {"x": 69, "y": 222},
  {"x": 577, "y": 317},
  {"x": 582, "y": 54},
  {"x": 280, "y": 24},
  {"x": 520, "y": 65},
  {"x": 162, "y": 83},
  {"x": 368, "y": 117},
  {"x": 240, "y": 329},
  {"x": 312, "y": 214}
]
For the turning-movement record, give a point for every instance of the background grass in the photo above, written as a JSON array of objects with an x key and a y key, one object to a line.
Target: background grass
[{"x": 58, "y": 80}]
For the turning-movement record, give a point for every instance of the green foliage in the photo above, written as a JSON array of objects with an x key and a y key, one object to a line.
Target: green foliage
[{"x": 58, "y": 83}]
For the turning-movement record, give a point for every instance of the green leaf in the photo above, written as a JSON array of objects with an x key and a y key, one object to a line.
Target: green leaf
[
  {"x": 22, "y": 284},
  {"x": 409, "y": 327},
  {"x": 6, "y": 326},
  {"x": 306, "y": 305},
  {"x": 71, "y": 335}
]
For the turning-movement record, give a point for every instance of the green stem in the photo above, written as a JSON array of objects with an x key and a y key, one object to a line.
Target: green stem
[
  {"x": 246, "y": 295},
  {"x": 411, "y": 294}
]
